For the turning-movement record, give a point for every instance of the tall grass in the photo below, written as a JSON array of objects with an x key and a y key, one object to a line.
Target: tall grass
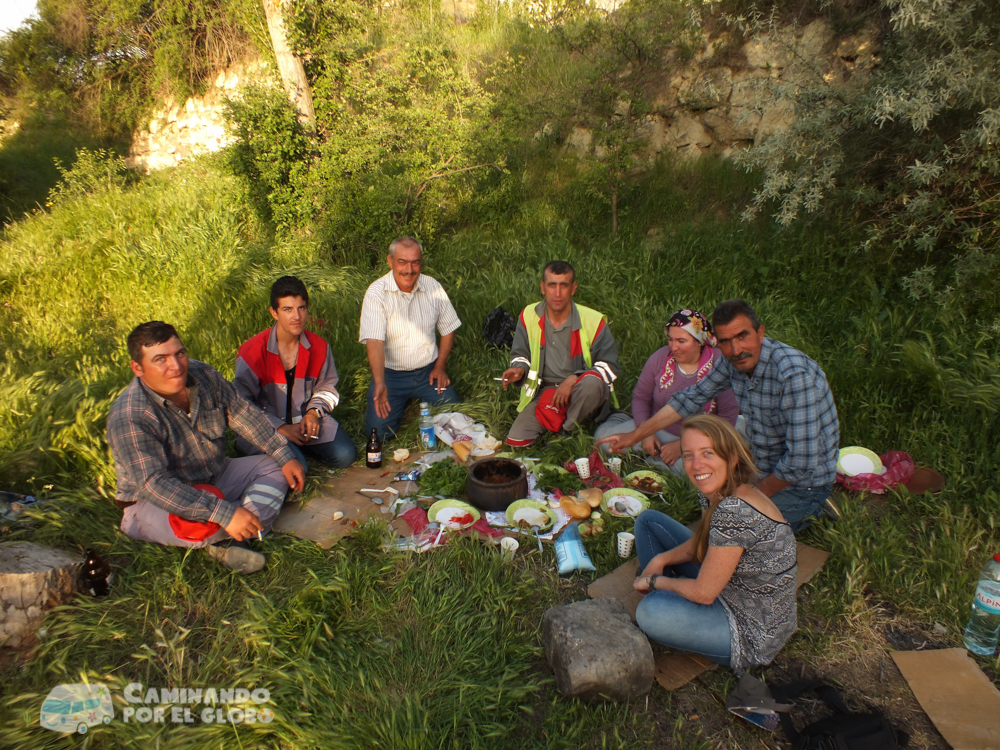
[
  {"x": 29, "y": 157},
  {"x": 360, "y": 648}
]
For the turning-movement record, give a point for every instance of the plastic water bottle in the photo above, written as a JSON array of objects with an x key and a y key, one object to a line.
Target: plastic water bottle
[
  {"x": 984, "y": 625},
  {"x": 427, "y": 436}
]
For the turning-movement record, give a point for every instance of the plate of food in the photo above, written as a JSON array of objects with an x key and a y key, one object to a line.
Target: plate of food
[
  {"x": 452, "y": 514},
  {"x": 531, "y": 513},
  {"x": 647, "y": 482},
  {"x": 623, "y": 501},
  {"x": 857, "y": 460}
]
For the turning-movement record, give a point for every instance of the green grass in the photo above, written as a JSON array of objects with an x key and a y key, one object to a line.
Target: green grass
[
  {"x": 29, "y": 158},
  {"x": 364, "y": 649}
]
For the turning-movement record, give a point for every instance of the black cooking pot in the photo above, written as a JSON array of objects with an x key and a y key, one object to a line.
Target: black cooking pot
[{"x": 494, "y": 483}]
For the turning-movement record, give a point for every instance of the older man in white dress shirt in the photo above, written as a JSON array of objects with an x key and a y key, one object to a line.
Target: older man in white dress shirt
[{"x": 399, "y": 317}]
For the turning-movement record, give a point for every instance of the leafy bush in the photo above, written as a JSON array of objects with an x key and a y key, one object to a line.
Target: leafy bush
[
  {"x": 270, "y": 152},
  {"x": 911, "y": 149},
  {"x": 109, "y": 58}
]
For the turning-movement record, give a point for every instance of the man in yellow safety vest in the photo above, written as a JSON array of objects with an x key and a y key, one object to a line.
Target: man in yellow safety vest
[{"x": 567, "y": 358}]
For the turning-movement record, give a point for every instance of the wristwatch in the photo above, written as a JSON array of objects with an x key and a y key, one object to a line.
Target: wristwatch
[
  {"x": 318, "y": 412},
  {"x": 652, "y": 581}
]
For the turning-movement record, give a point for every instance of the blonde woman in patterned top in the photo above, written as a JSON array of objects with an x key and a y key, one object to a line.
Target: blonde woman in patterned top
[{"x": 727, "y": 590}]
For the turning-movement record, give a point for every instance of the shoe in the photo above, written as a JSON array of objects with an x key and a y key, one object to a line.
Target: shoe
[
  {"x": 830, "y": 510},
  {"x": 237, "y": 556}
]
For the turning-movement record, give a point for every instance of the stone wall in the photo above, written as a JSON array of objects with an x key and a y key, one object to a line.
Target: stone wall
[
  {"x": 708, "y": 107},
  {"x": 177, "y": 132},
  {"x": 701, "y": 106}
]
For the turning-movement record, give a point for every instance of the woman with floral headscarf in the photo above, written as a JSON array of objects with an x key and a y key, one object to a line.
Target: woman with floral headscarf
[{"x": 688, "y": 357}]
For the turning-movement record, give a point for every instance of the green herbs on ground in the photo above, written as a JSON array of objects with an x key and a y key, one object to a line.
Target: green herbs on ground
[
  {"x": 444, "y": 478},
  {"x": 555, "y": 477}
]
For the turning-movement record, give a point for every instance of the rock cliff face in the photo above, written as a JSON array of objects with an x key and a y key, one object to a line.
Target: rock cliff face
[
  {"x": 708, "y": 106},
  {"x": 178, "y": 132},
  {"x": 725, "y": 97}
]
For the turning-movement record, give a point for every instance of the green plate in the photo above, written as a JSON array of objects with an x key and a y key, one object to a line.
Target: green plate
[
  {"x": 442, "y": 504},
  {"x": 641, "y": 475},
  {"x": 857, "y": 460},
  {"x": 516, "y": 506},
  {"x": 635, "y": 494}
]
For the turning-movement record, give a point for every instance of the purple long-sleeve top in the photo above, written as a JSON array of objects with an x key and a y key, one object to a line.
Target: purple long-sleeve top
[{"x": 648, "y": 397}]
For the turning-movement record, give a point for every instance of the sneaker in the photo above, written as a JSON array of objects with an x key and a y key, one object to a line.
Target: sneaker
[
  {"x": 237, "y": 556},
  {"x": 830, "y": 510}
]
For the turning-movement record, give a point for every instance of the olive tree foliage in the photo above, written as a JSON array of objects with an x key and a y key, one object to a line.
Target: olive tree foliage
[
  {"x": 398, "y": 115},
  {"x": 105, "y": 60},
  {"x": 912, "y": 150},
  {"x": 619, "y": 57}
]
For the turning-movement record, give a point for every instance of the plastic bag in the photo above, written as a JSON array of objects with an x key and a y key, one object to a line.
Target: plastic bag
[
  {"x": 898, "y": 467},
  {"x": 570, "y": 553},
  {"x": 452, "y": 426},
  {"x": 498, "y": 328}
]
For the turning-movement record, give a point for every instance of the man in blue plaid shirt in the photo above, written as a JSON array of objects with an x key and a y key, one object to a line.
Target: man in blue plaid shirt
[
  {"x": 167, "y": 436},
  {"x": 784, "y": 397}
]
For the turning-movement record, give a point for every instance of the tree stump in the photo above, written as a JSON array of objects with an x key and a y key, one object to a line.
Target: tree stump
[{"x": 33, "y": 580}]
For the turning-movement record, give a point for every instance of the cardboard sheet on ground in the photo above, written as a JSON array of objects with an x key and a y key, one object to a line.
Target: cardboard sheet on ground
[
  {"x": 618, "y": 585},
  {"x": 810, "y": 561},
  {"x": 953, "y": 691},
  {"x": 676, "y": 670},
  {"x": 314, "y": 520}
]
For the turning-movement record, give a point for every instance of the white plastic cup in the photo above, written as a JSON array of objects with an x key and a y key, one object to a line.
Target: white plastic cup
[
  {"x": 508, "y": 546},
  {"x": 583, "y": 467},
  {"x": 626, "y": 540},
  {"x": 615, "y": 464}
]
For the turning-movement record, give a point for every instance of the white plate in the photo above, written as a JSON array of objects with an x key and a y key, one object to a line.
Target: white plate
[
  {"x": 631, "y": 503},
  {"x": 532, "y": 516},
  {"x": 857, "y": 463},
  {"x": 447, "y": 516}
]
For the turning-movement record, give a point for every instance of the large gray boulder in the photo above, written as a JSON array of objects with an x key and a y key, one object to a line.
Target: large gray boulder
[{"x": 596, "y": 652}]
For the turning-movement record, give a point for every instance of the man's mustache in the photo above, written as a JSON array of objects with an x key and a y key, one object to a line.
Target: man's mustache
[{"x": 740, "y": 357}]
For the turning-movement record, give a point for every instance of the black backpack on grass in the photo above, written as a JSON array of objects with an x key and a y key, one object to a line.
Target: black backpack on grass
[
  {"x": 498, "y": 328},
  {"x": 844, "y": 730}
]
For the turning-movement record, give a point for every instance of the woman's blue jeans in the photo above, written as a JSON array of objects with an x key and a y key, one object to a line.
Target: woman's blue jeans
[{"x": 667, "y": 617}]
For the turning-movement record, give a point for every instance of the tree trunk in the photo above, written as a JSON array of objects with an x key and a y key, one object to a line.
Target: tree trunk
[
  {"x": 33, "y": 580},
  {"x": 293, "y": 75}
]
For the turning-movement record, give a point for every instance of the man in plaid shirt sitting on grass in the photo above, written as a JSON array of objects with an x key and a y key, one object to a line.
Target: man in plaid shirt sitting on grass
[
  {"x": 167, "y": 436},
  {"x": 784, "y": 397}
]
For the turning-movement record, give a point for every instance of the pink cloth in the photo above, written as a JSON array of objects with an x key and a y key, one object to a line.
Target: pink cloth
[
  {"x": 417, "y": 518},
  {"x": 484, "y": 528},
  {"x": 899, "y": 467},
  {"x": 600, "y": 476}
]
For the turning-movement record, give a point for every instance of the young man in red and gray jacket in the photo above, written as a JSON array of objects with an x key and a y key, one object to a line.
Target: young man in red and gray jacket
[
  {"x": 567, "y": 357},
  {"x": 289, "y": 373}
]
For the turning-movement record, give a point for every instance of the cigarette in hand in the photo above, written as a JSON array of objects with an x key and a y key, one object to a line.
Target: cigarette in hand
[{"x": 260, "y": 535}]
